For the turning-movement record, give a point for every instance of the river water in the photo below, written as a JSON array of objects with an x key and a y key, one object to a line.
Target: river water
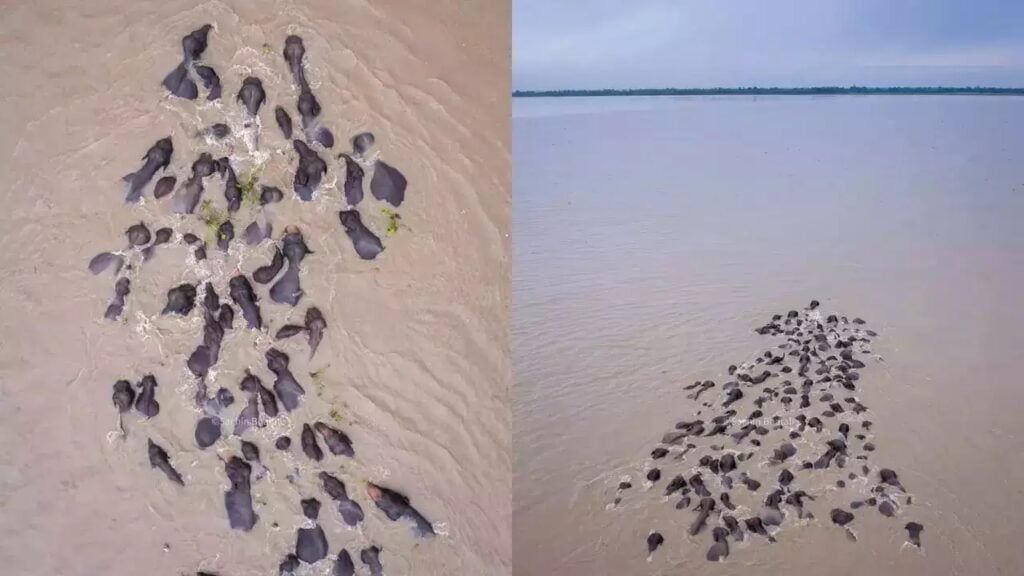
[
  {"x": 652, "y": 235},
  {"x": 415, "y": 362}
]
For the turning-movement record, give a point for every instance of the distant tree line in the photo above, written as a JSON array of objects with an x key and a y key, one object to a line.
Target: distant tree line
[{"x": 755, "y": 91}]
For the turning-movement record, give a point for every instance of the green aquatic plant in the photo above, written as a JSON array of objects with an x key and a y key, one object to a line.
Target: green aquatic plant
[
  {"x": 248, "y": 186},
  {"x": 213, "y": 219},
  {"x": 394, "y": 221},
  {"x": 318, "y": 381},
  {"x": 336, "y": 415}
]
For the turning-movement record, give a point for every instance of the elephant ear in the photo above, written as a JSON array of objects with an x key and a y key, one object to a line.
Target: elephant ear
[
  {"x": 388, "y": 184},
  {"x": 288, "y": 331},
  {"x": 104, "y": 261},
  {"x": 179, "y": 84}
]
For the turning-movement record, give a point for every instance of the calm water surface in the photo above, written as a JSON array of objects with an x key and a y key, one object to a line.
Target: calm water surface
[{"x": 652, "y": 235}]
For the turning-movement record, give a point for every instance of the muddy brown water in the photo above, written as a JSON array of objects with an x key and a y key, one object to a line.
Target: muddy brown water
[
  {"x": 654, "y": 234},
  {"x": 414, "y": 365}
]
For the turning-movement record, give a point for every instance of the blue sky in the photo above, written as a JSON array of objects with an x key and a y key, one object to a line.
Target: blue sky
[{"x": 709, "y": 43}]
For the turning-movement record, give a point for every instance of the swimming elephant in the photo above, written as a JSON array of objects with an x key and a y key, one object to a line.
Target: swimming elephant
[
  {"x": 178, "y": 81},
  {"x": 288, "y": 390},
  {"x": 211, "y": 81},
  {"x": 367, "y": 245},
  {"x": 180, "y": 300},
  {"x": 309, "y": 172},
  {"x": 270, "y": 195},
  {"x": 350, "y": 510},
  {"x": 362, "y": 142},
  {"x": 238, "y": 498},
  {"x": 338, "y": 443},
  {"x": 371, "y": 557},
  {"x": 294, "y": 50},
  {"x": 309, "y": 445},
  {"x": 343, "y": 565},
  {"x": 264, "y": 274},
  {"x": 284, "y": 122},
  {"x": 654, "y": 541},
  {"x": 251, "y": 94},
  {"x": 145, "y": 401},
  {"x": 243, "y": 295},
  {"x": 121, "y": 290},
  {"x": 353, "y": 187},
  {"x": 159, "y": 459},
  {"x": 311, "y": 543},
  {"x": 156, "y": 158},
  {"x": 396, "y": 506}
]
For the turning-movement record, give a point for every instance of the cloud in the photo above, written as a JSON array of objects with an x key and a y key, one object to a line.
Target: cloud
[{"x": 704, "y": 43}]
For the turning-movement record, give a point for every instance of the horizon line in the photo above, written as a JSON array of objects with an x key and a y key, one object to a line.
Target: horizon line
[{"x": 773, "y": 90}]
